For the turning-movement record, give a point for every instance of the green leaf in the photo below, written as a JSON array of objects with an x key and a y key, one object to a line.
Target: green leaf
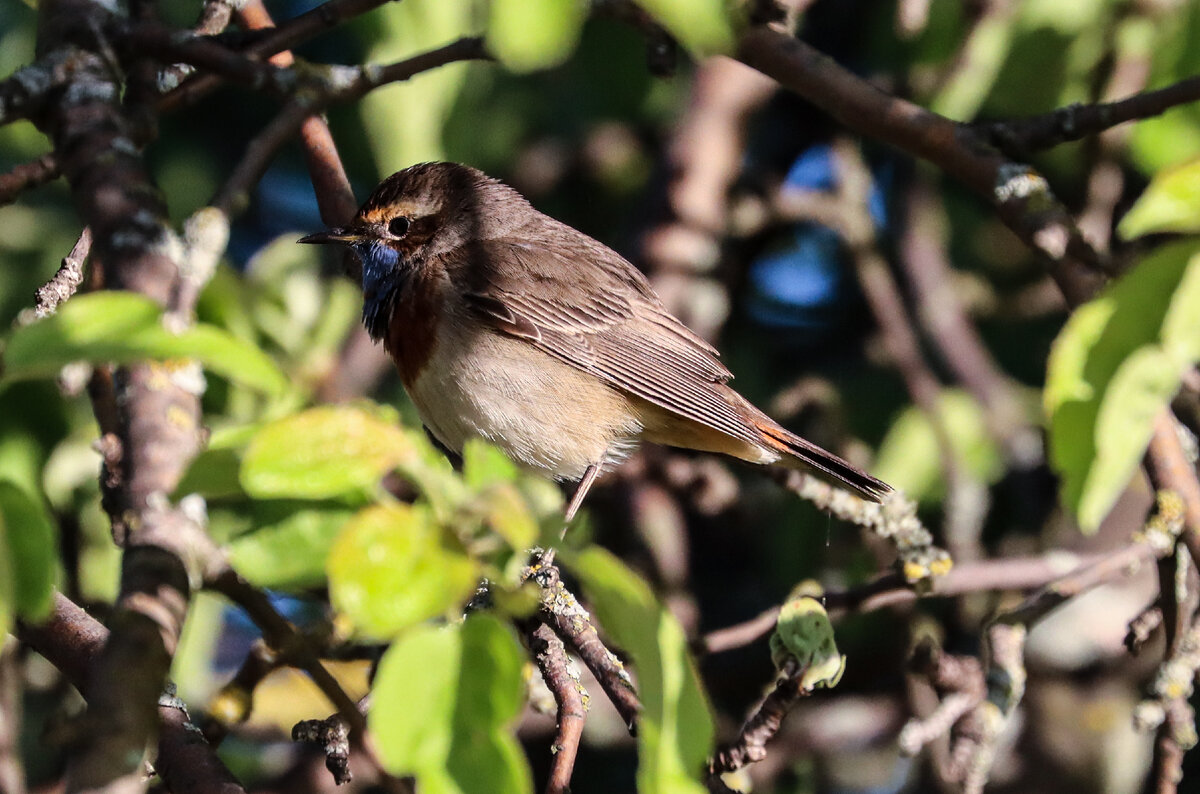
[
  {"x": 324, "y": 452},
  {"x": 527, "y": 35},
  {"x": 1113, "y": 368},
  {"x": 443, "y": 705},
  {"x": 213, "y": 474},
  {"x": 484, "y": 465},
  {"x": 391, "y": 568},
  {"x": 675, "y": 731},
  {"x": 1170, "y": 203},
  {"x": 32, "y": 550},
  {"x": 507, "y": 514},
  {"x": 404, "y": 122},
  {"x": 291, "y": 552},
  {"x": 122, "y": 327},
  {"x": 909, "y": 456},
  {"x": 703, "y": 27},
  {"x": 8, "y": 587}
]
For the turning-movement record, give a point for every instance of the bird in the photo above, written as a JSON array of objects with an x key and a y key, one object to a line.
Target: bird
[{"x": 510, "y": 326}]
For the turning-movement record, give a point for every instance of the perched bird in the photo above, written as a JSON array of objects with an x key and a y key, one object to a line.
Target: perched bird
[{"x": 508, "y": 325}]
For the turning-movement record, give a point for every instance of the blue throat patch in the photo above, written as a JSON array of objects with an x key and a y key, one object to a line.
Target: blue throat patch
[{"x": 383, "y": 275}]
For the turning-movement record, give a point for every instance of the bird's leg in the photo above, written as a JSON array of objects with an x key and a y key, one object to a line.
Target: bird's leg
[{"x": 585, "y": 484}]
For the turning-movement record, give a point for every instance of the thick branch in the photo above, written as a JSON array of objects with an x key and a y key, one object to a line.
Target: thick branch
[
  {"x": 570, "y": 621},
  {"x": 158, "y": 413},
  {"x": 72, "y": 641},
  {"x": 1020, "y": 196}
]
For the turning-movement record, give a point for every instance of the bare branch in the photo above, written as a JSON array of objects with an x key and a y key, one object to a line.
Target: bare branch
[
  {"x": 68, "y": 278},
  {"x": 1075, "y": 122},
  {"x": 570, "y": 621},
  {"x": 73, "y": 641},
  {"x": 1018, "y": 194},
  {"x": 234, "y": 194},
  {"x": 569, "y": 695},
  {"x": 27, "y": 175}
]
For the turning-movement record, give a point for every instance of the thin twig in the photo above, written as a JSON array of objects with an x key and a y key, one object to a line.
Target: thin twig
[
  {"x": 68, "y": 278},
  {"x": 1012, "y": 573},
  {"x": 27, "y": 175},
  {"x": 763, "y": 723},
  {"x": 234, "y": 194},
  {"x": 570, "y": 698},
  {"x": 287, "y": 640},
  {"x": 570, "y": 621},
  {"x": 289, "y": 34},
  {"x": 1074, "y": 122}
]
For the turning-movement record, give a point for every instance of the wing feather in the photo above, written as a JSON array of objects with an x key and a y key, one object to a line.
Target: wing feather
[{"x": 612, "y": 326}]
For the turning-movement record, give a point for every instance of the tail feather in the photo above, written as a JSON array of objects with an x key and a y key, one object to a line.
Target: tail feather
[{"x": 802, "y": 454}]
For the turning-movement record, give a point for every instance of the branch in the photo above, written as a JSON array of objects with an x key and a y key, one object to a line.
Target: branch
[
  {"x": 27, "y": 175},
  {"x": 569, "y": 695},
  {"x": 73, "y": 642},
  {"x": 959, "y": 684},
  {"x": 286, "y": 640},
  {"x": 157, "y": 406},
  {"x": 763, "y": 723},
  {"x": 172, "y": 46},
  {"x": 335, "y": 198},
  {"x": 939, "y": 308},
  {"x": 294, "y": 31},
  {"x": 1170, "y": 469},
  {"x": 570, "y": 621},
  {"x": 344, "y": 84},
  {"x": 1075, "y": 122},
  {"x": 68, "y": 278},
  {"x": 1073, "y": 572},
  {"x": 894, "y": 519},
  {"x": 1019, "y": 195}
]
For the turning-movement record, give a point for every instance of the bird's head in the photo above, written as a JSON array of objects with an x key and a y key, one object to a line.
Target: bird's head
[{"x": 412, "y": 220}]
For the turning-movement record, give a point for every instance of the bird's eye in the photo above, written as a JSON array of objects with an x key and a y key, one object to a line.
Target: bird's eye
[{"x": 398, "y": 227}]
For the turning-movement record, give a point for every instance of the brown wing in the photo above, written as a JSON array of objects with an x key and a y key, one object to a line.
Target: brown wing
[{"x": 582, "y": 303}]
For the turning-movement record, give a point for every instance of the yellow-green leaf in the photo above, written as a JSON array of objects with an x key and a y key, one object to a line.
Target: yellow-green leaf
[
  {"x": 1113, "y": 368},
  {"x": 1170, "y": 203},
  {"x": 675, "y": 730},
  {"x": 31, "y": 547},
  {"x": 324, "y": 452},
  {"x": 703, "y": 27},
  {"x": 391, "y": 567},
  {"x": 527, "y": 35},
  {"x": 291, "y": 552},
  {"x": 507, "y": 514},
  {"x": 123, "y": 327},
  {"x": 910, "y": 458},
  {"x": 443, "y": 707}
]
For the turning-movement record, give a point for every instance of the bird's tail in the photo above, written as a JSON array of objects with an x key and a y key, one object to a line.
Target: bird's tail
[{"x": 800, "y": 454}]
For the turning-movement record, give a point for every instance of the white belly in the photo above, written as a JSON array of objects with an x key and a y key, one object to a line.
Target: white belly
[{"x": 541, "y": 412}]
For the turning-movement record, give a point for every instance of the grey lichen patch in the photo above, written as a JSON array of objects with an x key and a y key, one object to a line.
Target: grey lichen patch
[
  {"x": 83, "y": 91},
  {"x": 1016, "y": 181},
  {"x": 125, "y": 145},
  {"x": 205, "y": 236},
  {"x": 168, "y": 80},
  {"x": 340, "y": 78},
  {"x": 35, "y": 79},
  {"x": 188, "y": 376}
]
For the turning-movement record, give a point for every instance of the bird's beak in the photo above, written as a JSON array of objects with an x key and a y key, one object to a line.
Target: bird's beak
[{"x": 342, "y": 234}]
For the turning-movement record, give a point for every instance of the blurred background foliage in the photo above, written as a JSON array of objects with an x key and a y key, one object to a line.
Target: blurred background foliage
[{"x": 303, "y": 494}]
